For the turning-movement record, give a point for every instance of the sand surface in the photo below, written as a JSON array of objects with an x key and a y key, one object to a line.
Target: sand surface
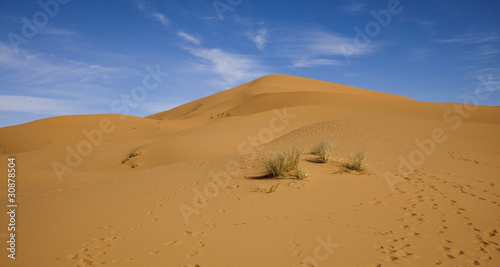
[{"x": 178, "y": 188}]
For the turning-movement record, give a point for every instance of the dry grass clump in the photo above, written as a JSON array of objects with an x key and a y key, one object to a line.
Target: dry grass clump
[
  {"x": 357, "y": 162},
  {"x": 285, "y": 164},
  {"x": 323, "y": 150}
]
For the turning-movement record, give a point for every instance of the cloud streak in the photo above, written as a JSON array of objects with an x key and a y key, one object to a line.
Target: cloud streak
[
  {"x": 36, "y": 105},
  {"x": 160, "y": 18},
  {"x": 353, "y": 8},
  {"x": 189, "y": 38},
  {"x": 232, "y": 68},
  {"x": 309, "y": 47},
  {"x": 147, "y": 8},
  {"x": 472, "y": 38},
  {"x": 38, "y": 68},
  {"x": 306, "y": 62}
]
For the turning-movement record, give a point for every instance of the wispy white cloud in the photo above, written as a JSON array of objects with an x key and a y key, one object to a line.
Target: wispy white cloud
[
  {"x": 143, "y": 4},
  {"x": 39, "y": 71},
  {"x": 479, "y": 51},
  {"x": 37, "y": 105},
  {"x": 306, "y": 62},
  {"x": 231, "y": 68},
  {"x": 312, "y": 47},
  {"x": 478, "y": 47},
  {"x": 59, "y": 32},
  {"x": 146, "y": 7},
  {"x": 473, "y": 38},
  {"x": 424, "y": 23},
  {"x": 160, "y": 18},
  {"x": 484, "y": 81},
  {"x": 419, "y": 54},
  {"x": 352, "y": 74},
  {"x": 189, "y": 38},
  {"x": 259, "y": 38},
  {"x": 487, "y": 50},
  {"x": 353, "y": 8}
]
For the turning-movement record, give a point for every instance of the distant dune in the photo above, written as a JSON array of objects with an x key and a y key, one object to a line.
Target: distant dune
[{"x": 175, "y": 188}]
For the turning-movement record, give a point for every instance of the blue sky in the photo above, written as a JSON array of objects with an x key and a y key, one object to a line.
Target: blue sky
[{"x": 60, "y": 57}]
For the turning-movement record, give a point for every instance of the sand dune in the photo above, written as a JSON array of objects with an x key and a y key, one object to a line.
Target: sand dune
[{"x": 175, "y": 188}]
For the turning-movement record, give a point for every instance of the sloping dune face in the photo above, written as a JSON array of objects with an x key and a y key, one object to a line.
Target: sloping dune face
[
  {"x": 272, "y": 92},
  {"x": 178, "y": 188}
]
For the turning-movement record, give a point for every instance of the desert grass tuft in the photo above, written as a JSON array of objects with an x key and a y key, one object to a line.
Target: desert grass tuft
[
  {"x": 285, "y": 164},
  {"x": 323, "y": 150},
  {"x": 357, "y": 162}
]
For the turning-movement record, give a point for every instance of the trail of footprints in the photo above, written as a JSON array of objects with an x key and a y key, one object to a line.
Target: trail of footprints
[
  {"x": 91, "y": 252},
  {"x": 397, "y": 249},
  {"x": 482, "y": 246},
  {"x": 422, "y": 191}
]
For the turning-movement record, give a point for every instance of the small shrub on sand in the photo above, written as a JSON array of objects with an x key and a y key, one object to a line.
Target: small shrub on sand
[
  {"x": 323, "y": 150},
  {"x": 284, "y": 164},
  {"x": 357, "y": 162},
  {"x": 131, "y": 155}
]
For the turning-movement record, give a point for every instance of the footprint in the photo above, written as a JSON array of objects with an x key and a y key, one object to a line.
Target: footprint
[
  {"x": 191, "y": 254},
  {"x": 110, "y": 238},
  {"x": 457, "y": 252},
  {"x": 100, "y": 254},
  {"x": 189, "y": 233},
  {"x": 171, "y": 243},
  {"x": 448, "y": 256},
  {"x": 486, "y": 258},
  {"x": 84, "y": 262},
  {"x": 154, "y": 252},
  {"x": 72, "y": 256},
  {"x": 296, "y": 253},
  {"x": 376, "y": 202},
  {"x": 123, "y": 260},
  {"x": 402, "y": 253},
  {"x": 390, "y": 258},
  {"x": 490, "y": 233},
  {"x": 412, "y": 234},
  {"x": 101, "y": 246}
]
